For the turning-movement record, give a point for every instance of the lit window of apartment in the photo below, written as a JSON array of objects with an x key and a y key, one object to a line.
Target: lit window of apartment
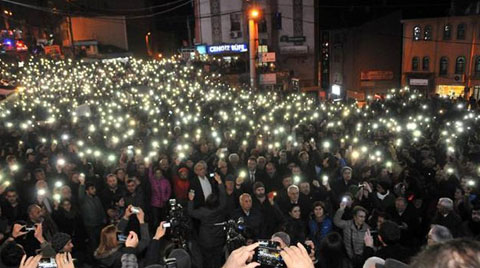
[
  {"x": 427, "y": 33},
  {"x": 417, "y": 33}
]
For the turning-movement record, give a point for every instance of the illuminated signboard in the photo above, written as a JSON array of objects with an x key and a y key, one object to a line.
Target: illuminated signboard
[{"x": 227, "y": 48}]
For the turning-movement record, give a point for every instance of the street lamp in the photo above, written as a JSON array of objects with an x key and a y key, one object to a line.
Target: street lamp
[
  {"x": 147, "y": 43},
  {"x": 253, "y": 17}
]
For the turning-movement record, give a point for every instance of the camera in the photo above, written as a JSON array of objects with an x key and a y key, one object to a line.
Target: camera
[
  {"x": 179, "y": 224},
  {"x": 28, "y": 228},
  {"x": 121, "y": 238},
  {"x": 268, "y": 254},
  {"x": 47, "y": 263},
  {"x": 135, "y": 210}
]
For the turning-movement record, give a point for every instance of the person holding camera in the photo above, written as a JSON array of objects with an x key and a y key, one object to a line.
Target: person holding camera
[
  {"x": 112, "y": 246},
  {"x": 293, "y": 256},
  {"x": 212, "y": 236}
]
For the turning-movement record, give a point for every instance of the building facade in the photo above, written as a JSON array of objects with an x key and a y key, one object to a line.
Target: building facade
[
  {"x": 362, "y": 60},
  {"x": 442, "y": 55},
  {"x": 286, "y": 27}
]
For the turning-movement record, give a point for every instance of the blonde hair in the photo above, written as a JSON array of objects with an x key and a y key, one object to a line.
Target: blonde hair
[{"x": 108, "y": 240}]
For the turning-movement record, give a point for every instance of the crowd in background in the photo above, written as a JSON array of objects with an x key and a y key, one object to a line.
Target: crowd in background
[{"x": 93, "y": 150}]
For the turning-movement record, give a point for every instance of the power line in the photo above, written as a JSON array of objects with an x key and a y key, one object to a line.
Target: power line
[
  {"x": 130, "y": 9},
  {"x": 66, "y": 13}
]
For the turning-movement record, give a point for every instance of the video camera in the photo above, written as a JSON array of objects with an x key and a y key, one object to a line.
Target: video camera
[
  {"x": 234, "y": 229},
  {"x": 179, "y": 224}
]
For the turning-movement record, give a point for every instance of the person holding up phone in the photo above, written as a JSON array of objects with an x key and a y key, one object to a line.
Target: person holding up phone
[{"x": 353, "y": 232}]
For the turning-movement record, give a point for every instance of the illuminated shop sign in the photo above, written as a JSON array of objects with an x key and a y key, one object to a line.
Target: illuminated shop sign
[{"x": 226, "y": 48}]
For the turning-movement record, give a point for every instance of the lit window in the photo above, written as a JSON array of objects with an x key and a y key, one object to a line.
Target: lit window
[
  {"x": 417, "y": 33},
  {"x": 427, "y": 34},
  {"x": 447, "y": 32}
]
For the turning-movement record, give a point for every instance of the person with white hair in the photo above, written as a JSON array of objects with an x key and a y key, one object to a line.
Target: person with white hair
[
  {"x": 445, "y": 216},
  {"x": 438, "y": 234}
]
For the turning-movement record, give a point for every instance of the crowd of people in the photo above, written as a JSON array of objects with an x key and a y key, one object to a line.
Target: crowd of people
[{"x": 93, "y": 155}]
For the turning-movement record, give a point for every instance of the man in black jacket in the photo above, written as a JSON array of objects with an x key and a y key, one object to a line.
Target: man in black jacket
[
  {"x": 340, "y": 187},
  {"x": 113, "y": 189},
  {"x": 445, "y": 216},
  {"x": 252, "y": 218},
  {"x": 389, "y": 236},
  {"x": 407, "y": 218},
  {"x": 211, "y": 237},
  {"x": 294, "y": 197},
  {"x": 271, "y": 213}
]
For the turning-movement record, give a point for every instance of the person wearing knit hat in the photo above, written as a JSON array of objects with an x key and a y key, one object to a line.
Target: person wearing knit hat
[
  {"x": 257, "y": 185},
  {"x": 62, "y": 242},
  {"x": 342, "y": 185},
  {"x": 345, "y": 168}
]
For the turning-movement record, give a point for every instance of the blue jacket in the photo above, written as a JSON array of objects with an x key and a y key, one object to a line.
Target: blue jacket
[{"x": 316, "y": 233}]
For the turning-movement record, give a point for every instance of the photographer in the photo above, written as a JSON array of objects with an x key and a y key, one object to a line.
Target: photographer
[
  {"x": 32, "y": 240},
  {"x": 212, "y": 237}
]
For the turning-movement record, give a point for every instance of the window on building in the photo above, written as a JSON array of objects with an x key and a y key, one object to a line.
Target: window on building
[
  {"x": 461, "y": 31},
  {"x": 262, "y": 26},
  {"x": 460, "y": 65},
  {"x": 443, "y": 66},
  {"x": 235, "y": 22},
  {"x": 415, "y": 64},
  {"x": 477, "y": 66},
  {"x": 417, "y": 33},
  {"x": 447, "y": 32},
  {"x": 426, "y": 63},
  {"x": 427, "y": 33}
]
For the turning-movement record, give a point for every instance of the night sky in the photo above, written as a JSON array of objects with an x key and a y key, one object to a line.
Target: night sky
[{"x": 346, "y": 13}]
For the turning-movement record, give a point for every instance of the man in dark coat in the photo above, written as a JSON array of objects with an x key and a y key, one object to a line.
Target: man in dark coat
[
  {"x": 252, "y": 218},
  {"x": 406, "y": 216},
  {"x": 211, "y": 237},
  {"x": 445, "y": 216},
  {"x": 271, "y": 213}
]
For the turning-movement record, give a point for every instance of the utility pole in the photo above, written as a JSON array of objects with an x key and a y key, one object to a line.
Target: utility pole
[
  {"x": 253, "y": 16},
  {"x": 189, "y": 32},
  {"x": 70, "y": 27}
]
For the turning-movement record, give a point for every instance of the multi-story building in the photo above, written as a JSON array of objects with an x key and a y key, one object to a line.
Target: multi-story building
[
  {"x": 286, "y": 27},
  {"x": 362, "y": 60},
  {"x": 442, "y": 55}
]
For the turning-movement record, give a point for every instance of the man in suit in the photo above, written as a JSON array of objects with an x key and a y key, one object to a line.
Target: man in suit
[
  {"x": 294, "y": 197},
  {"x": 201, "y": 184}
]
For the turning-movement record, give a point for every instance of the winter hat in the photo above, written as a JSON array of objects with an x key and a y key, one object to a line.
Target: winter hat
[
  {"x": 346, "y": 168},
  {"x": 257, "y": 185},
  {"x": 59, "y": 240}
]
